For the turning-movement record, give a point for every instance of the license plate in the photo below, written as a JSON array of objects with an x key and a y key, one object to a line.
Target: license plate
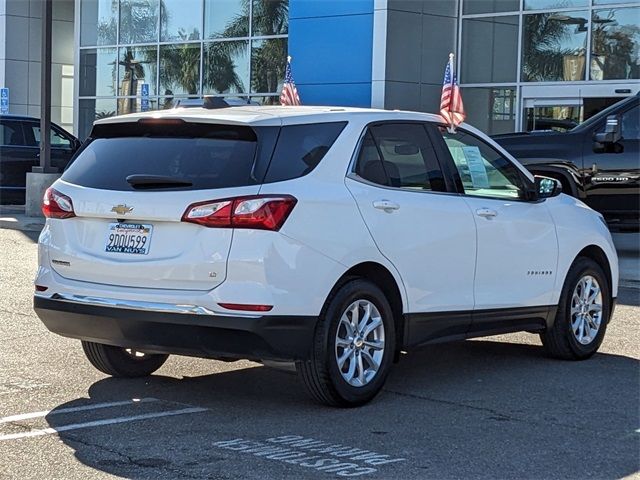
[{"x": 132, "y": 238}]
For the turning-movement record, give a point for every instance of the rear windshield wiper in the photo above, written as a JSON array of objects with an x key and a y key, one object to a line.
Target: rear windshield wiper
[{"x": 157, "y": 181}]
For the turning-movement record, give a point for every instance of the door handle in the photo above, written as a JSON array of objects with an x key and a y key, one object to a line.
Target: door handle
[
  {"x": 385, "y": 205},
  {"x": 486, "y": 213}
]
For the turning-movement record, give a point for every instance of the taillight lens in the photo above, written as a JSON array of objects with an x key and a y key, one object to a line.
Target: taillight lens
[
  {"x": 262, "y": 212},
  {"x": 57, "y": 205}
]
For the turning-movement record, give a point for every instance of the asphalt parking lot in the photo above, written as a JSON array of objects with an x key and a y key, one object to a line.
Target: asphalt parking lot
[{"x": 487, "y": 408}]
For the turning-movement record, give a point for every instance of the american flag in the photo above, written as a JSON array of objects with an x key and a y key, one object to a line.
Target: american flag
[
  {"x": 451, "y": 107},
  {"x": 289, "y": 95}
]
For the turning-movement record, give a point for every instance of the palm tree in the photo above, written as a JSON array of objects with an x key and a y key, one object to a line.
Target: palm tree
[
  {"x": 543, "y": 54},
  {"x": 220, "y": 74},
  {"x": 613, "y": 48},
  {"x": 268, "y": 61},
  {"x": 180, "y": 65}
]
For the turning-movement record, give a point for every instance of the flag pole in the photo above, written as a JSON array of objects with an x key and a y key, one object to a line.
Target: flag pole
[{"x": 453, "y": 73}]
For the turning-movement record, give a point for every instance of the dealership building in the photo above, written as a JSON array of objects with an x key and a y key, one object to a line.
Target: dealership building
[{"x": 522, "y": 64}]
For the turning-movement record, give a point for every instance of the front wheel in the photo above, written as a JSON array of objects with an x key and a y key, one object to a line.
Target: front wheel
[
  {"x": 583, "y": 313},
  {"x": 122, "y": 362},
  {"x": 353, "y": 347}
]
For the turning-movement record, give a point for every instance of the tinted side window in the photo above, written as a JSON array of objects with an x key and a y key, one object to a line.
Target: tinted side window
[
  {"x": 408, "y": 159},
  {"x": 369, "y": 164},
  {"x": 300, "y": 149},
  {"x": 483, "y": 170},
  {"x": 57, "y": 139},
  {"x": 11, "y": 133}
]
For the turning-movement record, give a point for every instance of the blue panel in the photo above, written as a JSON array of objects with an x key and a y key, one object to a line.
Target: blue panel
[
  {"x": 346, "y": 95},
  {"x": 331, "y": 49},
  {"x": 327, "y": 8}
]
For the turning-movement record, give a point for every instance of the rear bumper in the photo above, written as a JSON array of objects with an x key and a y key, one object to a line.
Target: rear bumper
[{"x": 282, "y": 338}]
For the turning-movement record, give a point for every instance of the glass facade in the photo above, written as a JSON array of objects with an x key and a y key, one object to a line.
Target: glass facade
[
  {"x": 149, "y": 54},
  {"x": 507, "y": 48}
]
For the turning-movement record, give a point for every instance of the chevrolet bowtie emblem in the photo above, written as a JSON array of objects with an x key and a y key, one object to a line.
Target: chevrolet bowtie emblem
[{"x": 122, "y": 209}]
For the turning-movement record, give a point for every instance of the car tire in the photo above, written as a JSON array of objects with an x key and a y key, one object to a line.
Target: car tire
[
  {"x": 573, "y": 335},
  {"x": 366, "y": 352},
  {"x": 118, "y": 362}
]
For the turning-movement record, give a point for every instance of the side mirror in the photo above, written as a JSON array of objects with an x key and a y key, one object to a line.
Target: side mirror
[
  {"x": 612, "y": 131},
  {"x": 547, "y": 187}
]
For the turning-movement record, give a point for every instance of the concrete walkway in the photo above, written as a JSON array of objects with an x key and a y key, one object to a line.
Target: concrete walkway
[{"x": 627, "y": 244}]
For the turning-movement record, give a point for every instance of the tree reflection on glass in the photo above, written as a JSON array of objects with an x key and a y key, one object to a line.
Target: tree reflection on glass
[
  {"x": 139, "y": 21},
  {"x": 554, "y": 46},
  {"x": 137, "y": 66},
  {"x": 180, "y": 67},
  {"x": 615, "y": 44},
  {"x": 267, "y": 56},
  {"x": 220, "y": 70}
]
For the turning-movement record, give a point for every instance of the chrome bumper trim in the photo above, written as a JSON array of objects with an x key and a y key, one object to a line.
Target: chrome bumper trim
[{"x": 131, "y": 304}]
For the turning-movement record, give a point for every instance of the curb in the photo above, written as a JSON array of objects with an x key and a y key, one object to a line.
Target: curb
[
  {"x": 632, "y": 284},
  {"x": 31, "y": 225}
]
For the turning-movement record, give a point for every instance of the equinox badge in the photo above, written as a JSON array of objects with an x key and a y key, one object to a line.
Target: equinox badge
[{"x": 122, "y": 209}]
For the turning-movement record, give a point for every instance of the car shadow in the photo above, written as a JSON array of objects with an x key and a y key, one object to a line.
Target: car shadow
[{"x": 474, "y": 409}]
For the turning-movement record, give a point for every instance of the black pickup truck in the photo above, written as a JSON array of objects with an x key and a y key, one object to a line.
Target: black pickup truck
[{"x": 598, "y": 161}]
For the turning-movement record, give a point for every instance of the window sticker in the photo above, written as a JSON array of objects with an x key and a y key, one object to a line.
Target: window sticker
[{"x": 477, "y": 169}]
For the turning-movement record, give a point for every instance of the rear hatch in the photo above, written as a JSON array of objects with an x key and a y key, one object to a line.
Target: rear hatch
[{"x": 130, "y": 186}]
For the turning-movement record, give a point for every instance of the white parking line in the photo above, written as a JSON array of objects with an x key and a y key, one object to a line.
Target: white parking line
[
  {"x": 97, "y": 423},
  {"x": 27, "y": 416}
]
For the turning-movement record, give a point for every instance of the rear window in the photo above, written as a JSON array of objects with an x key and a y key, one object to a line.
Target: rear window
[
  {"x": 198, "y": 157},
  {"x": 187, "y": 156}
]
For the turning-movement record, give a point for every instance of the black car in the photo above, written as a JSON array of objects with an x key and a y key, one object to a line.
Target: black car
[
  {"x": 598, "y": 161},
  {"x": 20, "y": 151}
]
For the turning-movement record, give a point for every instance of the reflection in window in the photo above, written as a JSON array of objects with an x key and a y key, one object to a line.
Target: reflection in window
[
  {"x": 98, "y": 72},
  {"x": 226, "y": 67},
  {"x": 490, "y": 49},
  {"x": 559, "y": 118},
  {"x": 484, "y": 171},
  {"x": 268, "y": 60},
  {"x": 138, "y": 21},
  {"x": 98, "y": 22},
  {"x": 503, "y": 104},
  {"x": 615, "y": 44},
  {"x": 226, "y": 18},
  {"x": 270, "y": 17},
  {"x": 490, "y": 6},
  {"x": 137, "y": 66},
  {"x": 553, "y": 4},
  {"x": 553, "y": 46},
  {"x": 266, "y": 100},
  {"x": 608, "y": 2},
  {"x": 135, "y": 105},
  {"x": 492, "y": 110},
  {"x": 180, "y": 69},
  {"x": 181, "y": 20},
  {"x": 93, "y": 109}
]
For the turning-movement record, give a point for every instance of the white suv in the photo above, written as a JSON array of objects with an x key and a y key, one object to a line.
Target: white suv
[{"x": 330, "y": 237}]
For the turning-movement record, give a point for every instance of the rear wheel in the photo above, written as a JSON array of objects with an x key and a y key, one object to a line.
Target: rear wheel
[
  {"x": 583, "y": 313},
  {"x": 122, "y": 362},
  {"x": 353, "y": 347}
]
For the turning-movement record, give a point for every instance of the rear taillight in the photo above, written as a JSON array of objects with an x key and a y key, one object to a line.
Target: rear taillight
[
  {"x": 262, "y": 212},
  {"x": 57, "y": 205}
]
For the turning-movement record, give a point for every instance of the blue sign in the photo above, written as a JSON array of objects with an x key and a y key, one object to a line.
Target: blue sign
[
  {"x": 144, "y": 92},
  {"x": 4, "y": 100}
]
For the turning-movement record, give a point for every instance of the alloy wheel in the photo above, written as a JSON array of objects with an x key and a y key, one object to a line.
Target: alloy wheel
[
  {"x": 586, "y": 310},
  {"x": 359, "y": 346}
]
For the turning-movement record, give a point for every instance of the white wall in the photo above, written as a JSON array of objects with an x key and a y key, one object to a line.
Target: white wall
[{"x": 20, "y": 37}]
